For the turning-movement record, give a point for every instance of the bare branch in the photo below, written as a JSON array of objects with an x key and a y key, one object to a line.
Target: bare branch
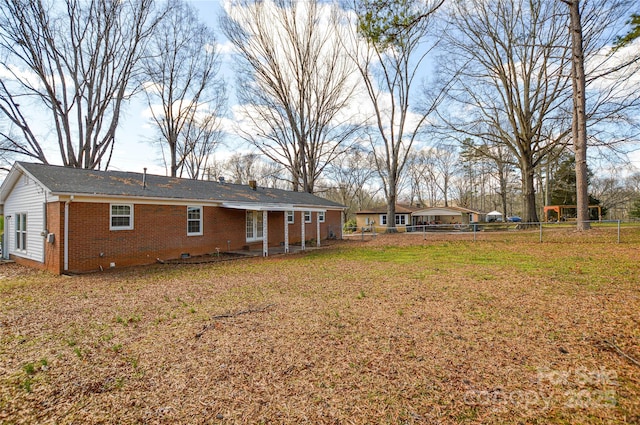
[
  {"x": 76, "y": 60},
  {"x": 294, "y": 84}
]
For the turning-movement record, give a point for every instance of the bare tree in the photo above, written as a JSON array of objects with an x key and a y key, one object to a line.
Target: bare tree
[
  {"x": 353, "y": 176},
  {"x": 74, "y": 60},
  {"x": 579, "y": 124},
  {"x": 496, "y": 162},
  {"x": 603, "y": 87},
  {"x": 202, "y": 136},
  {"x": 431, "y": 171},
  {"x": 182, "y": 82},
  {"x": 243, "y": 167},
  {"x": 390, "y": 49},
  {"x": 446, "y": 164},
  {"x": 614, "y": 194},
  {"x": 294, "y": 83},
  {"x": 422, "y": 178},
  {"x": 512, "y": 87},
  {"x": 516, "y": 80}
]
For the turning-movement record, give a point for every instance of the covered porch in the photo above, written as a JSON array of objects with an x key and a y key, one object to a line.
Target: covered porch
[
  {"x": 258, "y": 217},
  {"x": 433, "y": 216}
]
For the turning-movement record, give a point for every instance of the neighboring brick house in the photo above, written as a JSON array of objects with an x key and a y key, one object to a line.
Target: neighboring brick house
[
  {"x": 376, "y": 218},
  {"x": 75, "y": 220},
  {"x": 411, "y": 217}
]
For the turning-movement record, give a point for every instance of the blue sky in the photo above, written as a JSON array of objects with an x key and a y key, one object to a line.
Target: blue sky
[{"x": 134, "y": 150}]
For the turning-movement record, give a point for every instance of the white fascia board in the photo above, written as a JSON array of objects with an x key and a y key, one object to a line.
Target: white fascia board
[
  {"x": 10, "y": 181},
  {"x": 17, "y": 171},
  {"x": 312, "y": 209},
  {"x": 270, "y": 207},
  {"x": 256, "y": 207},
  {"x": 436, "y": 211},
  {"x": 100, "y": 198},
  {"x": 85, "y": 197}
]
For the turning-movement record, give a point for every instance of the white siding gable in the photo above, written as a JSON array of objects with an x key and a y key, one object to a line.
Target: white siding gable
[{"x": 27, "y": 197}]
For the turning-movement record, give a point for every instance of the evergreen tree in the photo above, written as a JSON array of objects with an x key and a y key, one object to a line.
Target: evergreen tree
[
  {"x": 635, "y": 209},
  {"x": 563, "y": 186}
]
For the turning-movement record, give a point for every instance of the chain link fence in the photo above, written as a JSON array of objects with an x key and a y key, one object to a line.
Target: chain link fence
[{"x": 614, "y": 231}]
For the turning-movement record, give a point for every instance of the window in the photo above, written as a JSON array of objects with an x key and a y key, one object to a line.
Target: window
[
  {"x": 400, "y": 219},
  {"x": 194, "y": 221},
  {"x": 307, "y": 216},
  {"x": 121, "y": 217},
  {"x": 254, "y": 226},
  {"x": 251, "y": 226},
  {"x": 321, "y": 216},
  {"x": 21, "y": 231},
  {"x": 290, "y": 217},
  {"x": 259, "y": 224}
]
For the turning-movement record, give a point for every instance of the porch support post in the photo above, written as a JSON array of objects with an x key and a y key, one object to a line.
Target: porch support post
[
  {"x": 286, "y": 233},
  {"x": 265, "y": 234},
  {"x": 302, "y": 236},
  {"x": 317, "y": 229}
]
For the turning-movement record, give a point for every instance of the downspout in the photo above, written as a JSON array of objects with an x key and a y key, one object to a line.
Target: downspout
[
  {"x": 44, "y": 230},
  {"x": 66, "y": 234},
  {"x": 5, "y": 238}
]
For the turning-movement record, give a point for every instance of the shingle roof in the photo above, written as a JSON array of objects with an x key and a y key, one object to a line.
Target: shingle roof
[
  {"x": 409, "y": 209},
  {"x": 76, "y": 181},
  {"x": 400, "y": 209}
]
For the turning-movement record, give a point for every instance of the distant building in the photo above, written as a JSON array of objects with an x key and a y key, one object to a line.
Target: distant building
[{"x": 408, "y": 217}]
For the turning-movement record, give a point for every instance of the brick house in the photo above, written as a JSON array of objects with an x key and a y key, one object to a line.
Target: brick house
[
  {"x": 74, "y": 220},
  {"x": 377, "y": 218},
  {"x": 412, "y": 217}
]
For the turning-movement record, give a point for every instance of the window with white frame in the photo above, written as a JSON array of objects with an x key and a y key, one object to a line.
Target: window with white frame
[
  {"x": 383, "y": 219},
  {"x": 307, "y": 216},
  {"x": 290, "y": 217},
  {"x": 254, "y": 223},
  {"x": 121, "y": 217},
  {"x": 21, "y": 231},
  {"x": 321, "y": 216},
  {"x": 194, "y": 221},
  {"x": 251, "y": 226},
  {"x": 259, "y": 224},
  {"x": 401, "y": 219}
]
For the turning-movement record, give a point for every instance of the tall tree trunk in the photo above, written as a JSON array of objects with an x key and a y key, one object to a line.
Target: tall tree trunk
[
  {"x": 503, "y": 191},
  {"x": 529, "y": 193},
  {"x": 392, "y": 197},
  {"x": 579, "y": 127}
]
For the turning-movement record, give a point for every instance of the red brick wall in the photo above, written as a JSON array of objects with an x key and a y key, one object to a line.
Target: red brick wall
[{"x": 160, "y": 231}]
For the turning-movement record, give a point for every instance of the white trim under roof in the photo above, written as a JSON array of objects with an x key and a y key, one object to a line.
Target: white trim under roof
[
  {"x": 270, "y": 207},
  {"x": 436, "y": 211}
]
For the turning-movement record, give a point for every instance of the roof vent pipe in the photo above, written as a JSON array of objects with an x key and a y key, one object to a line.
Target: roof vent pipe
[
  {"x": 144, "y": 178},
  {"x": 253, "y": 184},
  {"x": 221, "y": 179}
]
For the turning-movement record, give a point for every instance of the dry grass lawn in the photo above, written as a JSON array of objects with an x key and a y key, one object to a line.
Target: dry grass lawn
[{"x": 396, "y": 330}]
